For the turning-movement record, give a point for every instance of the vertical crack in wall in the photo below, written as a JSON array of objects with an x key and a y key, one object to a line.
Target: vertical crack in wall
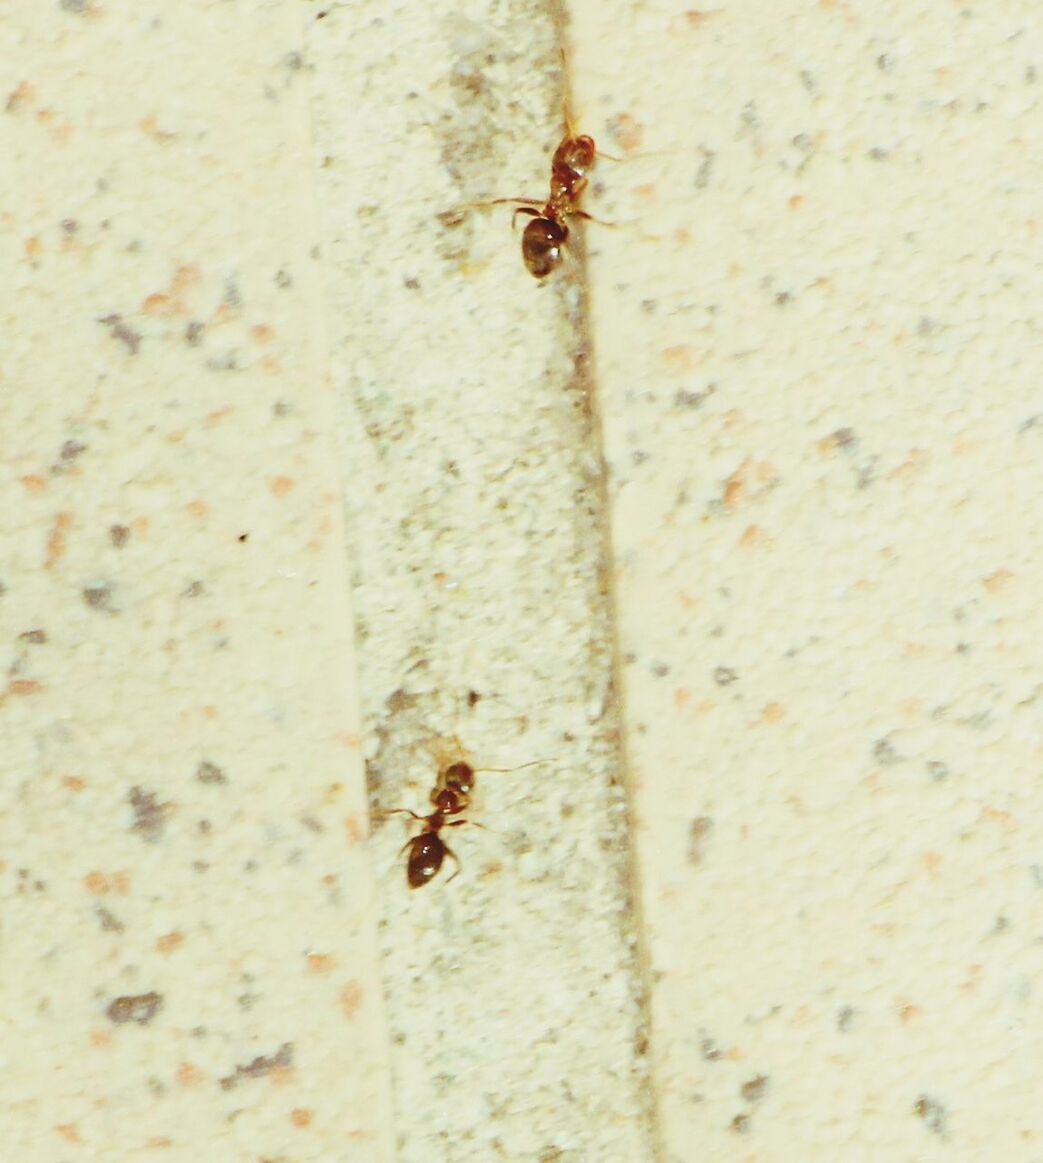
[
  {"x": 475, "y": 496},
  {"x": 634, "y": 931}
]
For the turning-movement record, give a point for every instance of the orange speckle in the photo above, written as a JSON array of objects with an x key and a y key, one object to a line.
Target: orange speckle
[
  {"x": 796, "y": 201},
  {"x": 773, "y": 713},
  {"x": 349, "y": 739},
  {"x": 753, "y": 537},
  {"x": 149, "y": 126},
  {"x": 280, "y": 486},
  {"x": 695, "y": 18},
  {"x": 735, "y": 488},
  {"x": 19, "y": 96},
  {"x": 682, "y": 696},
  {"x": 301, "y": 1117},
  {"x": 217, "y": 416},
  {"x": 687, "y": 601},
  {"x": 263, "y": 333},
  {"x": 932, "y": 861},
  {"x": 69, "y": 1132},
  {"x": 197, "y": 509},
  {"x": 209, "y": 711},
  {"x": 356, "y": 833},
  {"x": 56, "y": 539},
  {"x": 320, "y": 962},
  {"x": 909, "y": 1013},
  {"x": 998, "y": 581},
  {"x": 189, "y": 1075},
  {"x": 73, "y": 782},
  {"x": 998, "y": 816},
  {"x": 176, "y": 436},
  {"x": 156, "y": 304},
  {"x": 23, "y": 686},
  {"x": 100, "y": 1038},
  {"x": 270, "y": 364},
  {"x": 184, "y": 277},
  {"x": 626, "y": 132},
  {"x": 680, "y": 358},
  {"x": 33, "y": 247},
  {"x": 101, "y": 884},
  {"x": 647, "y": 191},
  {"x": 351, "y": 999},
  {"x": 911, "y": 467},
  {"x": 33, "y": 483},
  {"x": 170, "y": 941}
]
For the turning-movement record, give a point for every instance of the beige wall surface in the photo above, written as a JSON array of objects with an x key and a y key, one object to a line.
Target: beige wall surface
[
  {"x": 717, "y": 554},
  {"x": 819, "y": 366},
  {"x": 186, "y": 960}
]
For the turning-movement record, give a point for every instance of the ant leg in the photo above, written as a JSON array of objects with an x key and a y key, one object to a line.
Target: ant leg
[
  {"x": 590, "y": 218},
  {"x": 456, "y": 859},
  {"x": 511, "y": 201},
  {"x": 396, "y": 812},
  {"x": 523, "y": 210}
]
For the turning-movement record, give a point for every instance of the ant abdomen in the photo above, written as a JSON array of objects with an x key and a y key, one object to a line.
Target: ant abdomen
[
  {"x": 542, "y": 245},
  {"x": 426, "y": 854}
]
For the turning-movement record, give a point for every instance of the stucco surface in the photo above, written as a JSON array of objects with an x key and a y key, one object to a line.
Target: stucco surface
[{"x": 717, "y": 554}]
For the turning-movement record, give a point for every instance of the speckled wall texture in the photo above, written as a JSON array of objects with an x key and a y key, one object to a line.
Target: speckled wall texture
[
  {"x": 187, "y": 968},
  {"x": 819, "y": 363},
  {"x": 233, "y": 295}
]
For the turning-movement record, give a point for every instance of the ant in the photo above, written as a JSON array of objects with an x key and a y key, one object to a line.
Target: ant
[
  {"x": 450, "y": 796},
  {"x": 543, "y": 240}
]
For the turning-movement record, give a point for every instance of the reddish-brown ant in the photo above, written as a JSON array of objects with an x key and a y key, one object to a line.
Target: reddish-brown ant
[
  {"x": 543, "y": 240},
  {"x": 450, "y": 796}
]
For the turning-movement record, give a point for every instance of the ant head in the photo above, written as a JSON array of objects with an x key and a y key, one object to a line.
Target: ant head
[
  {"x": 575, "y": 154},
  {"x": 458, "y": 777}
]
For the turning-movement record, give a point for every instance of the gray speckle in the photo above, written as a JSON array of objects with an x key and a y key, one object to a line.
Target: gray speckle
[
  {"x": 36, "y": 637},
  {"x": 686, "y": 399},
  {"x": 932, "y": 1112},
  {"x": 260, "y": 1066},
  {"x": 884, "y": 752},
  {"x": 99, "y": 597},
  {"x": 71, "y": 449},
  {"x": 140, "y": 1008},
  {"x": 109, "y": 922},
  {"x": 724, "y": 676},
  {"x": 710, "y": 1051},
  {"x": 150, "y": 816},
  {"x": 208, "y": 772},
  {"x": 119, "y": 535},
  {"x": 755, "y": 1089},
  {"x": 698, "y": 834},
  {"x": 705, "y": 171},
  {"x": 119, "y": 330}
]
